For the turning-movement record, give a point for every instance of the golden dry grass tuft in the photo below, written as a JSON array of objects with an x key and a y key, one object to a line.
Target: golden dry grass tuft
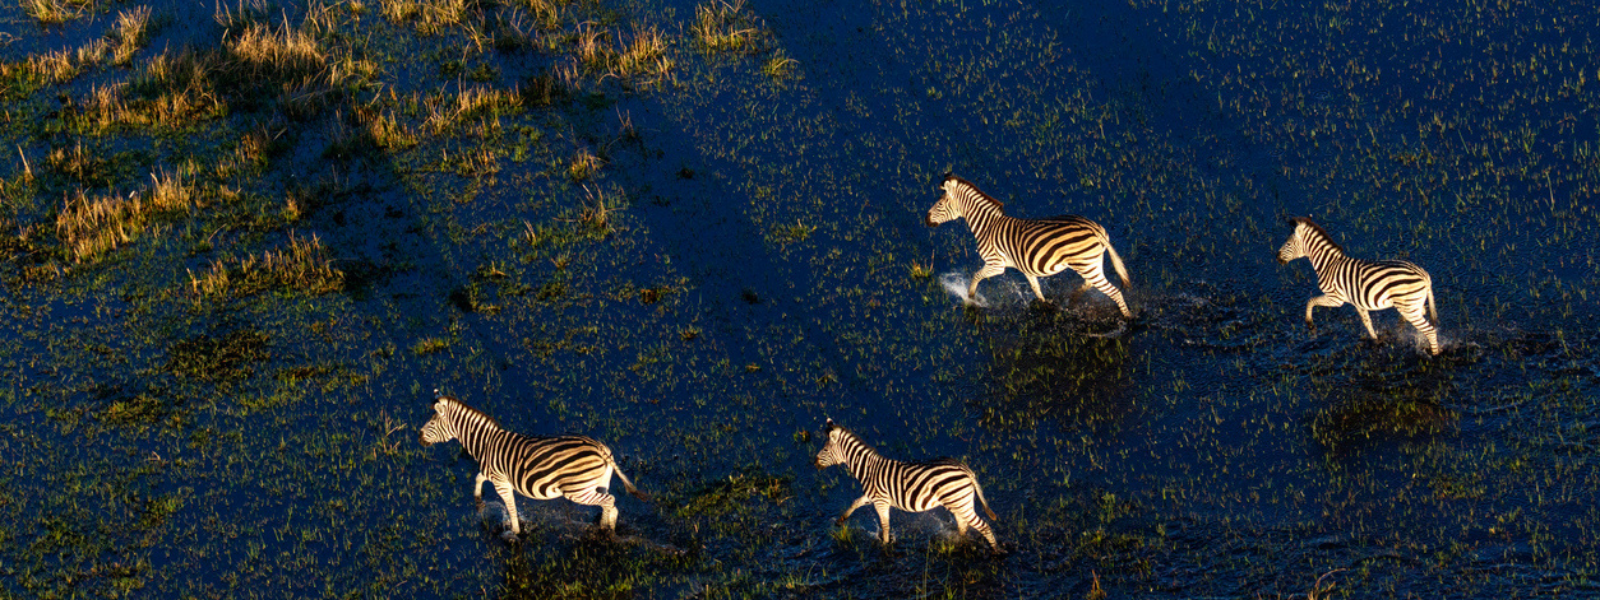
[
  {"x": 284, "y": 53},
  {"x": 598, "y": 204},
  {"x": 389, "y": 133},
  {"x": 91, "y": 226},
  {"x": 168, "y": 94},
  {"x": 131, "y": 33},
  {"x": 427, "y": 17},
  {"x": 444, "y": 114},
  {"x": 302, "y": 266},
  {"x": 643, "y": 57},
  {"x": 779, "y": 66},
  {"x": 722, "y": 26},
  {"x": 64, "y": 65},
  {"x": 242, "y": 14},
  {"x": 125, "y": 38},
  {"x": 78, "y": 164},
  {"x": 583, "y": 165},
  {"x": 54, "y": 12}
]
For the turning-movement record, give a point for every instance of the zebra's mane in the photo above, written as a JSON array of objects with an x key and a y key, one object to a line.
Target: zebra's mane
[
  {"x": 851, "y": 436},
  {"x": 980, "y": 193},
  {"x": 471, "y": 412},
  {"x": 1320, "y": 231}
]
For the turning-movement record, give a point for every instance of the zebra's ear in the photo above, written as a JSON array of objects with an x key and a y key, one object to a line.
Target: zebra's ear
[{"x": 829, "y": 426}]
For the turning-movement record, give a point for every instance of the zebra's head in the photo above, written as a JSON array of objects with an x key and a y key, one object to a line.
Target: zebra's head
[
  {"x": 946, "y": 209},
  {"x": 1295, "y": 248},
  {"x": 832, "y": 452},
  {"x": 439, "y": 428}
]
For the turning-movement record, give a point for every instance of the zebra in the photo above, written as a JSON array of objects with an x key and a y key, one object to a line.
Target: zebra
[
  {"x": 542, "y": 468},
  {"x": 1037, "y": 247},
  {"x": 1366, "y": 285},
  {"x": 908, "y": 486}
]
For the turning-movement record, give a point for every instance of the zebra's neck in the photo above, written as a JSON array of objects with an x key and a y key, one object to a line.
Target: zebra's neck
[
  {"x": 860, "y": 459},
  {"x": 1323, "y": 254},
  {"x": 981, "y": 211},
  {"x": 473, "y": 429}
]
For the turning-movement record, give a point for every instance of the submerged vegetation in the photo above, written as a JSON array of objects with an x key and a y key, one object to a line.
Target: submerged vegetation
[{"x": 242, "y": 244}]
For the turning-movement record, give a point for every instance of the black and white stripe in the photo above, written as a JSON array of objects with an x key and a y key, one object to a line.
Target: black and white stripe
[
  {"x": 908, "y": 486},
  {"x": 1366, "y": 285},
  {"x": 542, "y": 468},
  {"x": 1037, "y": 247}
]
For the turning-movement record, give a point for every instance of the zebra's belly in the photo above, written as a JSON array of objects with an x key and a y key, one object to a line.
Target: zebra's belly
[
  {"x": 561, "y": 486},
  {"x": 1383, "y": 303},
  {"x": 1368, "y": 304},
  {"x": 541, "y": 493},
  {"x": 915, "y": 508},
  {"x": 1045, "y": 270}
]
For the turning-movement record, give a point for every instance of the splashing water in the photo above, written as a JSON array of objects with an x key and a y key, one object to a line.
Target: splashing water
[
  {"x": 957, "y": 284},
  {"x": 1010, "y": 292}
]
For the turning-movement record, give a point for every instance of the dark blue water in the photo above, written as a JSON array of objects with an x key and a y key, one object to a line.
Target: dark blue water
[{"x": 1214, "y": 449}]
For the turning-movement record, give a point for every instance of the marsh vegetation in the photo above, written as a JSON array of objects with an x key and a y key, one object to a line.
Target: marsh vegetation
[{"x": 240, "y": 245}]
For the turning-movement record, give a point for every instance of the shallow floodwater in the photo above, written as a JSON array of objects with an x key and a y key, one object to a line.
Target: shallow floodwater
[{"x": 766, "y": 267}]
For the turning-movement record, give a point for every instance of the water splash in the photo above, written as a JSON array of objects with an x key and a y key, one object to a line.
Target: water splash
[
  {"x": 957, "y": 284},
  {"x": 1008, "y": 292}
]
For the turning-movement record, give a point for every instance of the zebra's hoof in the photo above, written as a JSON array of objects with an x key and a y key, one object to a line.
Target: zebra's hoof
[{"x": 509, "y": 537}]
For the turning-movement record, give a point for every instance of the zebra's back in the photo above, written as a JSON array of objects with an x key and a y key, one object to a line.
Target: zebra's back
[
  {"x": 1041, "y": 247},
  {"x": 923, "y": 485},
  {"x": 545, "y": 467},
  {"x": 1381, "y": 284}
]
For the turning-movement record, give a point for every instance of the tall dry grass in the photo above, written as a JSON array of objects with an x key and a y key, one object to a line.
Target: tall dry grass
[
  {"x": 132, "y": 33},
  {"x": 90, "y": 226},
  {"x": 302, "y": 265},
  {"x": 446, "y": 112},
  {"x": 723, "y": 26}
]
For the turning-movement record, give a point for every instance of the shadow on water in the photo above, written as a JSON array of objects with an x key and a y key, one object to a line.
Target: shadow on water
[{"x": 1044, "y": 368}]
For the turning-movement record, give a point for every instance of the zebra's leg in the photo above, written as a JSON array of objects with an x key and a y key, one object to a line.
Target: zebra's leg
[
  {"x": 883, "y": 521},
  {"x": 1094, "y": 274},
  {"x": 592, "y": 496},
  {"x": 966, "y": 515},
  {"x": 1034, "y": 281},
  {"x": 477, "y": 489},
  {"x": 988, "y": 270},
  {"x": 1366, "y": 321},
  {"x": 970, "y": 517},
  {"x": 860, "y": 502},
  {"x": 509, "y": 497},
  {"x": 1413, "y": 315},
  {"x": 1326, "y": 301}
]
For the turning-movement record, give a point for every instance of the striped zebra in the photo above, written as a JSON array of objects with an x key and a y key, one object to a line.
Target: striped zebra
[
  {"x": 1366, "y": 285},
  {"x": 908, "y": 486},
  {"x": 1037, "y": 247},
  {"x": 542, "y": 468}
]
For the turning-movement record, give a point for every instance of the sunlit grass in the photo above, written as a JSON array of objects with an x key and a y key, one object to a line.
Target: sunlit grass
[
  {"x": 90, "y": 226},
  {"x": 724, "y": 26},
  {"x": 54, "y": 12},
  {"x": 301, "y": 266}
]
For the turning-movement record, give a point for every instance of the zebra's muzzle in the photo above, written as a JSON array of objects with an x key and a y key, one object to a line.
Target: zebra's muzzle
[{"x": 928, "y": 220}]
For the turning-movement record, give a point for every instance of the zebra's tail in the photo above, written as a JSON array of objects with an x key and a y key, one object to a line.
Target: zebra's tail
[
  {"x": 1433, "y": 307},
  {"x": 625, "y": 483},
  {"x": 1116, "y": 261},
  {"x": 979, "y": 489}
]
